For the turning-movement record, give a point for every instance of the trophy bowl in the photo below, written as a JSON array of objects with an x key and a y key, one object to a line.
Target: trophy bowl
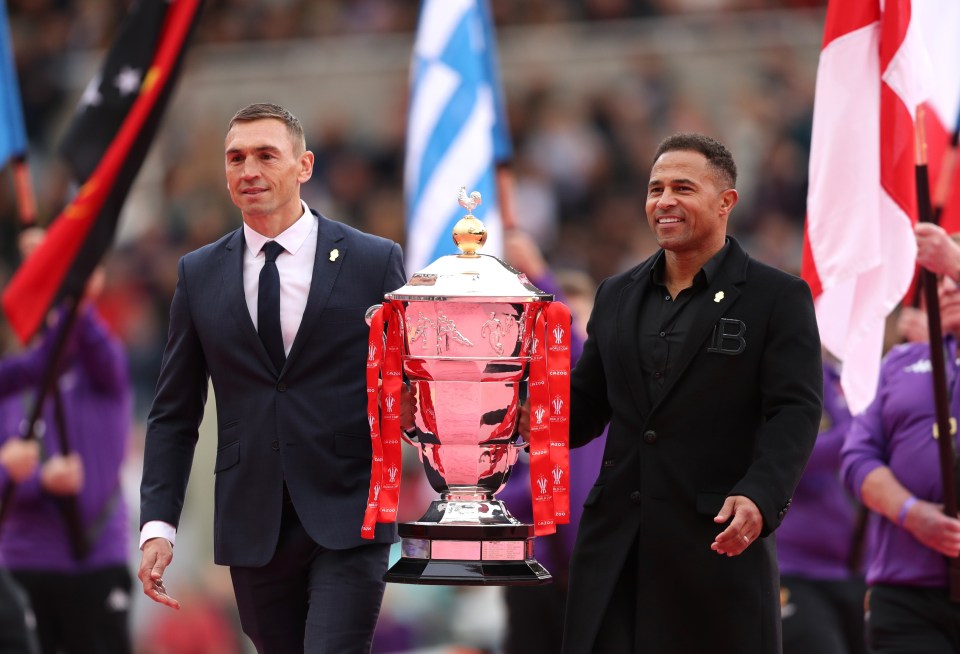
[{"x": 467, "y": 323}]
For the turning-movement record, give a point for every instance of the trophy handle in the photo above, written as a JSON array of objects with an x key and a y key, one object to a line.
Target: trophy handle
[{"x": 368, "y": 316}]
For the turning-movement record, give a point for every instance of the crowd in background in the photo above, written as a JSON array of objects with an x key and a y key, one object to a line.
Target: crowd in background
[{"x": 581, "y": 164}]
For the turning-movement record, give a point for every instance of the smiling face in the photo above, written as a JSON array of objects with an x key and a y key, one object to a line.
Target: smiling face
[
  {"x": 688, "y": 204},
  {"x": 265, "y": 168}
]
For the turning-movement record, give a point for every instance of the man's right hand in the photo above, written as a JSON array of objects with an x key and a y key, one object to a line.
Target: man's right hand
[{"x": 157, "y": 555}]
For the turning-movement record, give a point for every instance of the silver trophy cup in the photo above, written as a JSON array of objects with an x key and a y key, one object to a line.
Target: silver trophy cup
[{"x": 468, "y": 322}]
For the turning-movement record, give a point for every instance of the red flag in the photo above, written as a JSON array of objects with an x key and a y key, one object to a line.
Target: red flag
[
  {"x": 84, "y": 230},
  {"x": 859, "y": 250}
]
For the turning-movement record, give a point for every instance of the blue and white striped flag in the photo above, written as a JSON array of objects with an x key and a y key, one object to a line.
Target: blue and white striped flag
[
  {"x": 13, "y": 135},
  {"x": 456, "y": 129}
]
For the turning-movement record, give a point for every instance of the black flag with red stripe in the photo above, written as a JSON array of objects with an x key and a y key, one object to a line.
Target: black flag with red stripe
[{"x": 105, "y": 146}]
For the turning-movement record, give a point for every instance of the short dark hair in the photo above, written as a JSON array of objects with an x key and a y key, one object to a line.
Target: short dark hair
[
  {"x": 264, "y": 110},
  {"x": 717, "y": 154}
]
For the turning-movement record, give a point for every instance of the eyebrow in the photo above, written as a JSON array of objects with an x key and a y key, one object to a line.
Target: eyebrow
[
  {"x": 259, "y": 148},
  {"x": 679, "y": 180}
]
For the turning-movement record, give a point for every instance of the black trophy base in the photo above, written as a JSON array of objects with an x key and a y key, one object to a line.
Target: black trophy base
[{"x": 467, "y": 555}]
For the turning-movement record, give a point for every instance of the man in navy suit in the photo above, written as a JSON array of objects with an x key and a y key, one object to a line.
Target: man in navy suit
[{"x": 293, "y": 454}]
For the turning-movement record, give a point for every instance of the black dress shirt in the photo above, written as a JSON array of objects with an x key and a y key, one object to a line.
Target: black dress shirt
[{"x": 666, "y": 321}]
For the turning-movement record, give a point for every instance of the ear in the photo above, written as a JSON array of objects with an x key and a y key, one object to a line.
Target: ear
[
  {"x": 728, "y": 200},
  {"x": 306, "y": 167}
]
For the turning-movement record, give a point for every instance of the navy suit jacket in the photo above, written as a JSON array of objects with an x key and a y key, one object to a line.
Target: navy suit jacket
[{"x": 306, "y": 424}]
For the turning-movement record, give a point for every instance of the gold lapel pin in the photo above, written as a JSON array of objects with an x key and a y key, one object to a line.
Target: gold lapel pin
[
  {"x": 334, "y": 253},
  {"x": 718, "y": 296}
]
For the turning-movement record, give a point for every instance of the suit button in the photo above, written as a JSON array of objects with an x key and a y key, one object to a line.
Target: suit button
[
  {"x": 635, "y": 497},
  {"x": 275, "y": 445},
  {"x": 781, "y": 514},
  {"x": 282, "y": 386},
  {"x": 650, "y": 437}
]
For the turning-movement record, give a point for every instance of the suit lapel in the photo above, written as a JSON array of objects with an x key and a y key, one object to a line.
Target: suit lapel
[
  {"x": 722, "y": 293},
  {"x": 231, "y": 270},
  {"x": 326, "y": 268},
  {"x": 628, "y": 336}
]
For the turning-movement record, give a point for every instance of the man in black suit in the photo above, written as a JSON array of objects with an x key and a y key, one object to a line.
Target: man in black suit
[
  {"x": 273, "y": 314},
  {"x": 706, "y": 365}
]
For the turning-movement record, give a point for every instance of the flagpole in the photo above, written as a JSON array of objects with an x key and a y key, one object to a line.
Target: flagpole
[
  {"x": 23, "y": 186},
  {"x": 945, "y": 434},
  {"x": 68, "y": 505},
  {"x": 941, "y": 193}
]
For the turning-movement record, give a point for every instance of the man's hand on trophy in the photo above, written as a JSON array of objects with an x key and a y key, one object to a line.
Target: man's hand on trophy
[
  {"x": 408, "y": 409},
  {"x": 524, "y": 425}
]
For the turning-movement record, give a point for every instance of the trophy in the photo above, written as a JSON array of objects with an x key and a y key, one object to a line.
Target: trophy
[{"x": 466, "y": 327}]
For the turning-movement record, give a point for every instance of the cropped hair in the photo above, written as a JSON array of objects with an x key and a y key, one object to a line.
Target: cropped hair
[
  {"x": 263, "y": 110},
  {"x": 717, "y": 154}
]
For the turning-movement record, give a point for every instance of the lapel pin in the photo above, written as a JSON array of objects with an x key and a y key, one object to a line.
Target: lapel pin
[
  {"x": 718, "y": 296},
  {"x": 334, "y": 253}
]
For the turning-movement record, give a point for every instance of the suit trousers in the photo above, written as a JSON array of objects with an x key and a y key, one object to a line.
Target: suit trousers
[{"x": 309, "y": 598}]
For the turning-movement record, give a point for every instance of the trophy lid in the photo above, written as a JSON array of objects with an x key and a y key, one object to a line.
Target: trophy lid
[{"x": 469, "y": 277}]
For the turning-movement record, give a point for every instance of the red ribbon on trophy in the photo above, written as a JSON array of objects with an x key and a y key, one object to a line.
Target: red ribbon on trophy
[
  {"x": 384, "y": 384},
  {"x": 550, "y": 419}
]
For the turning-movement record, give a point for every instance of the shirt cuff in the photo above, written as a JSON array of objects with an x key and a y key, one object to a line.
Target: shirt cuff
[{"x": 158, "y": 529}]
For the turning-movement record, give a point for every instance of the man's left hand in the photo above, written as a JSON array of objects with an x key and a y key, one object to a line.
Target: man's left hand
[{"x": 743, "y": 529}]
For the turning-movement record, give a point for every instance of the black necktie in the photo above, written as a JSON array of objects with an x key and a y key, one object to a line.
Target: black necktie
[{"x": 268, "y": 305}]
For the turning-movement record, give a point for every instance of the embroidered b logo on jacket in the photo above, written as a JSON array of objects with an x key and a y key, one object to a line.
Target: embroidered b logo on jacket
[{"x": 727, "y": 337}]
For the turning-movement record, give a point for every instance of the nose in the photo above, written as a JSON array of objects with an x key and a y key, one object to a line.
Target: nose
[
  {"x": 666, "y": 199},
  {"x": 250, "y": 169}
]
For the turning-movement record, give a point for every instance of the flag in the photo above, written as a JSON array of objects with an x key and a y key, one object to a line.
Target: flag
[
  {"x": 110, "y": 94},
  {"x": 78, "y": 237},
  {"x": 13, "y": 135},
  {"x": 939, "y": 23},
  {"x": 859, "y": 249},
  {"x": 456, "y": 128}
]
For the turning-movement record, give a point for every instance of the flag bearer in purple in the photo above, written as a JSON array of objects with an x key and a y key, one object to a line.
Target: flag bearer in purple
[
  {"x": 890, "y": 460},
  {"x": 80, "y": 605},
  {"x": 821, "y": 598}
]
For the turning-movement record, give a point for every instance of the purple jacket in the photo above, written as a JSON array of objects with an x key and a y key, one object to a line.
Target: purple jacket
[
  {"x": 97, "y": 402},
  {"x": 816, "y": 538},
  {"x": 896, "y": 431}
]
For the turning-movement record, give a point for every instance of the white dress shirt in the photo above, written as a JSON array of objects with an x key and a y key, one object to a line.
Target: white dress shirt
[{"x": 295, "y": 265}]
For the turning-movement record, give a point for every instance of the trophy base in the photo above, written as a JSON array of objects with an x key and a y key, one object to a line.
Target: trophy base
[{"x": 467, "y": 555}]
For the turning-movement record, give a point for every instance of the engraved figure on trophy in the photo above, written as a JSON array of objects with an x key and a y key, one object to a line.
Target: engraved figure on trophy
[
  {"x": 494, "y": 331},
  {"x": 447, "y": 330},
  {"x": 420, "y": 330}
]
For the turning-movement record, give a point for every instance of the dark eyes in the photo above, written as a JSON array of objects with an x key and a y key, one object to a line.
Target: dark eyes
[
  {"x": 266, "y": 156},
  {"x": 657, "y": 190}
]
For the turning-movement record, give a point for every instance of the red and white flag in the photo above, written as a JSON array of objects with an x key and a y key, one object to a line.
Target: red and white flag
[{"x": 876, "y": 67}]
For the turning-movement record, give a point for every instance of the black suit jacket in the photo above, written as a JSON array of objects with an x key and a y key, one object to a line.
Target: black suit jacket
[
  {"x": 306, "y": 424},
  {"x": 739, "y": 417}
]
